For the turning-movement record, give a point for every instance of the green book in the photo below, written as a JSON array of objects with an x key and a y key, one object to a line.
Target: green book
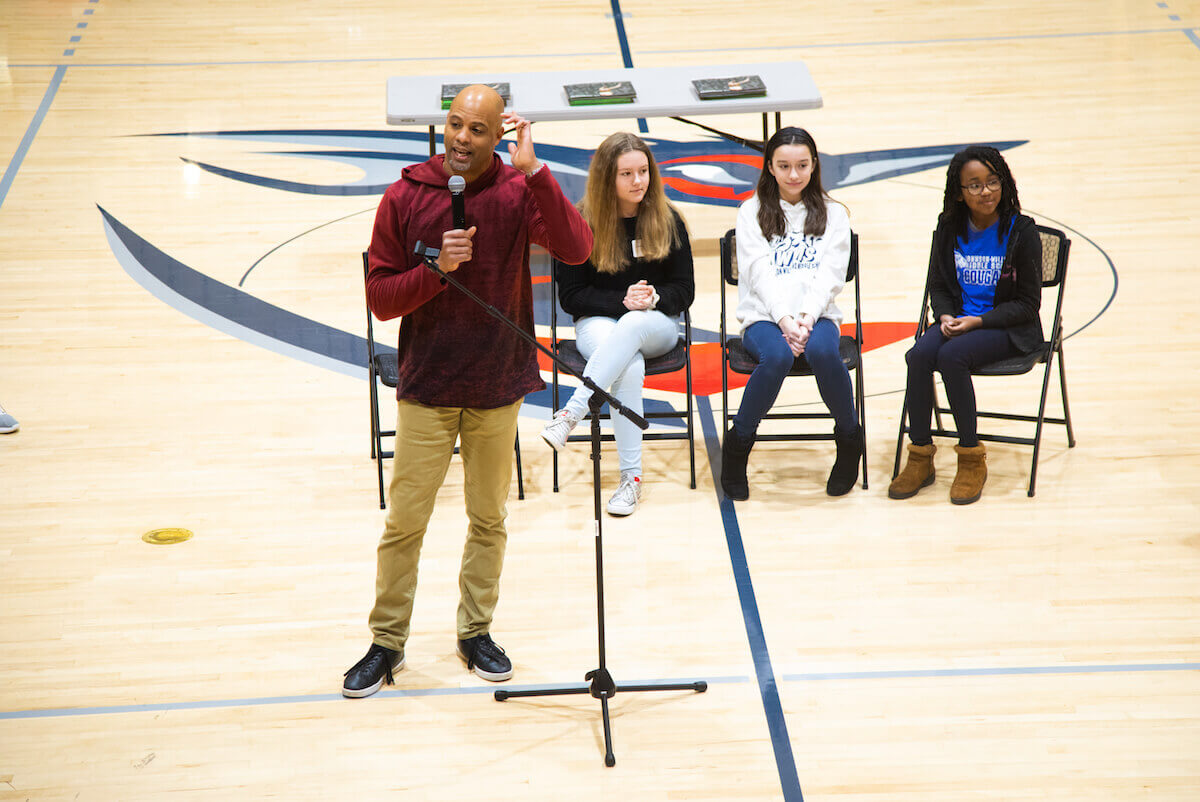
[
  {"x": 450, "y": 91},
  {"x": 737, "y": 86},
  {"x": 600, "y": 92}
]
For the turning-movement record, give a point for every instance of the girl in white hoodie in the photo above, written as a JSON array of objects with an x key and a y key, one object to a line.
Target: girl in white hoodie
[{"x": 793, "y": 247}]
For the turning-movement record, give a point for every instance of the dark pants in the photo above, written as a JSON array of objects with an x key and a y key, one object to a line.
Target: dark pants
[
  {"x": 954, "y": 358},
  {"x": 764, "y": 341}
]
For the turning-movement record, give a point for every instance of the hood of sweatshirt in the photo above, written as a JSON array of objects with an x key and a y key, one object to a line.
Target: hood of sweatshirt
[{"x": 432, "y": 173}]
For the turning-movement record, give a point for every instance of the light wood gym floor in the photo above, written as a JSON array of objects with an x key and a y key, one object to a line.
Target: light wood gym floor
[{"x": 858, "y": 648}]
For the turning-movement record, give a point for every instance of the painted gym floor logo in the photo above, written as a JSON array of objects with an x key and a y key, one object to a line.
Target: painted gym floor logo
[{"x": 712, "y": 171}]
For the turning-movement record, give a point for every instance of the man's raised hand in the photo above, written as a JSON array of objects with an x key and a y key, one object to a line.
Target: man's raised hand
[{"x": 521, "y": 154}]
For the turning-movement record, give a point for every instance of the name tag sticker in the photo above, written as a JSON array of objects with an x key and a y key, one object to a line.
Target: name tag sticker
[{"x": 637, "y": 248}]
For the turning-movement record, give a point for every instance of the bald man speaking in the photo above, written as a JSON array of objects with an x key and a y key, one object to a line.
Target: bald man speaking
[{"x": 462, "y": 374}]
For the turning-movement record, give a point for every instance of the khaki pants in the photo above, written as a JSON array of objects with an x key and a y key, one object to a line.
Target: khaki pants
[{"x": 425, "y": 439}]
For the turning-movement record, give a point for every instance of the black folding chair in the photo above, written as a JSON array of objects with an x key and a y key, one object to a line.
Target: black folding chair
[
  {"x": 678, "y": 358},
  {"x": 736, "y": 358},
  {"x": 1055, "y": 249}
]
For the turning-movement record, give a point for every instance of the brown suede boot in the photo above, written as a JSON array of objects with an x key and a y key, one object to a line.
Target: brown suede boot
[
  {"x": 918, "y": 472},
  {"x": 972, "y": 473}
]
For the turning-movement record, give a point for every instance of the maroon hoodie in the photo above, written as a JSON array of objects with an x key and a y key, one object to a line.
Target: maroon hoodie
[{"x": 452, "y": 352}]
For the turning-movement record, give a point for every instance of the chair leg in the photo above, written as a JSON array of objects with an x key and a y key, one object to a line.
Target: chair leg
[
  {"x": 1041, "y": 418},
  {"x": 691, "y": 429},
  {"x": 724, "y": 389},
  {"x": 373, "y": 393},
  {"x": 554, "y": 408},
  {"x": 379, "y": 468},
  {"x": 376, "y": 437},
  {"x": 900, "y": 435},
  {"x": 1062, "y": 380},
  {"x": 520, "y": 478},
  {"x": 937, "y": 410},
  {"x": 862, "y": 419}
]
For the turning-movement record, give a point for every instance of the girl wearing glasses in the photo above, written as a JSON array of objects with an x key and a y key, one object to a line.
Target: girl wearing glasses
[
  {"x": 793, "y": 248},
  {"x": 626, "y": 297},
  {"x": 985, "y": 287}
]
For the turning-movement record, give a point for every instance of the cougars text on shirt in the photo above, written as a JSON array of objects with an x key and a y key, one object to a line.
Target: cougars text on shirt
[{"x": 977, "y": 271}]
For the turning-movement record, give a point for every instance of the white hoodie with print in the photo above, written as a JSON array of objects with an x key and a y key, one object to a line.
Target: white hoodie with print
[{"x": 793, "y": 274}]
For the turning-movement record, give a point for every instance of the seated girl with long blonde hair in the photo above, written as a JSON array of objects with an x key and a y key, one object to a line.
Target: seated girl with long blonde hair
[{"x": 626, "y": 297}]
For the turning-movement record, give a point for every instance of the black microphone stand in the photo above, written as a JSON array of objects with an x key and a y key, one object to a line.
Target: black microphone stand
[{"x": 602, "y": 686}]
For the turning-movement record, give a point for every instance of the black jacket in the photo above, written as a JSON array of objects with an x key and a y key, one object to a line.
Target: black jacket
[{"x": 1018, "y": 291}]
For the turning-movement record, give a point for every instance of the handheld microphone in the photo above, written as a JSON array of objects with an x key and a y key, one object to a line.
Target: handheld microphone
[{"x": 458, "y": 205}]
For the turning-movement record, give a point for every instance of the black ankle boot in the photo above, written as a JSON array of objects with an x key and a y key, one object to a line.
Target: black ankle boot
[
  {"x": 735, "y": 451},
  {"x": 845, "y": 468}
]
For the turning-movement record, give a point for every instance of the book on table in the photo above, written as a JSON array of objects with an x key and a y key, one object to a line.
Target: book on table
[
  {"x": 450, "y": 91},
  {"x": 600, "y": 92},
  {"x": 736, "y": 86}
]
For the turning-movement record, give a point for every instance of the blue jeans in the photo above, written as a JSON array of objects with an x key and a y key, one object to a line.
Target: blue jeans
[
  {"x": 954, "y": 358},
  {"x": 765, "y": 342},
  {"x": 616, "y": 351}
]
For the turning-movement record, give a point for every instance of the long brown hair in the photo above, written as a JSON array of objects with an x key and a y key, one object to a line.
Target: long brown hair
[
  {"x": 656, "y": 231},
  {"x": 771, "y": 218}
]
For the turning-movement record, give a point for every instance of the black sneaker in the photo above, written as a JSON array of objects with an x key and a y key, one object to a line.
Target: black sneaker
[
  {"x": 485, "y": 657},
  {"x": 368, "y": 674}
]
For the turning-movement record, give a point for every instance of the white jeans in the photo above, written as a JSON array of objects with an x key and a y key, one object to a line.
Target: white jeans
[{"x": 616, "y": 351}]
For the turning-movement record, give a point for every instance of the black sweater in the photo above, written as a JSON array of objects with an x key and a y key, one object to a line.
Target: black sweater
[
  {"x": 1018, "y": 292},
  {"x": 583, "y": 291}
]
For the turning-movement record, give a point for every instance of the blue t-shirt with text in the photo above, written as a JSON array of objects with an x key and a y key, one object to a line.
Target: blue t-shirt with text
[{"x": 977, "y": 262}]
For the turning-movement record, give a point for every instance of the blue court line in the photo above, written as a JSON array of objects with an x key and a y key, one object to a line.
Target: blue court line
[
  {"x": 258, "y": 701},
  {"x": 993, "y": 672},
  {"x": 622, "y": 39},
  {"x": 665, "y": 52},
  {"x": 14, "y": 164},
  {"x": 1016, "y": 37},
  {"x": 284, "y": 62},
  {"x": 626, "y": 56},
  {"x": 1191, "y": 34},
  {"x": 767, "y": 687},
  {"x": 396, "y": 693}
]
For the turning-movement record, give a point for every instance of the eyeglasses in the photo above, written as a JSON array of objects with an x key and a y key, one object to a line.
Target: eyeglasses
[{"x": 993, "y": 184}]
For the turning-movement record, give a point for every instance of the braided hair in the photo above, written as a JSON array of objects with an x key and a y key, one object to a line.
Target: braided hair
[{"x": 954, "y": 209}]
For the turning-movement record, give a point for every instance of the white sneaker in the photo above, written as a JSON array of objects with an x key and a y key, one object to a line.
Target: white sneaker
[
  {"x": 629, "y": 492},
  {"x": 559, "y": 428},
  {"x": 8, "y": 424}
]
